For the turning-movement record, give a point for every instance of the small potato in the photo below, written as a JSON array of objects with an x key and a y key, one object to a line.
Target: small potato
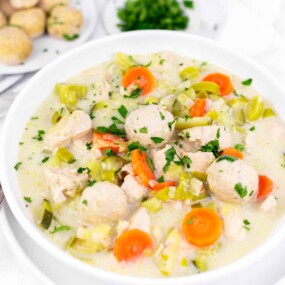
[
  {"x": 23, "y": 4},
  {"x": 31, "y": 20},
  {"x": 3, "y": 20},
  {"x": 47, "y": 5},
  {"x": 65, "y": 22},
  {"x": 15, "y": 45},
  {"x": 6, "y": 8}
]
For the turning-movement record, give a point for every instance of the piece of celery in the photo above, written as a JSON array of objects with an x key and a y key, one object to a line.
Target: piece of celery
[
  {"x": 153, "y": 205},
  {"x": 64, "y": 155}
]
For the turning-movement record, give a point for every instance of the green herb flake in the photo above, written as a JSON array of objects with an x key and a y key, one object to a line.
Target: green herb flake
[
  {"x": 246, "y": 222},
  {"x": 252, "y": 129},
  {"x": 247, "y": 82},
  {"x": 39, "y": 136},
  {"x": 162, "y": 117},
  {"x": 190, "y": 221},
  {"x": 109, "y": 152},
  {"x": 116, "y": 120},
  {"x": 91, "y": 115},
  {"x": 218, "y": 135},
  {"x": 70, "y": 38},
  {"x": 169, "y": 157},
  {"x": 157, "y": 140},
  {"x": 135, "y": 93},
  {"x": 85, "y": 202},
  {"x": 82, "y": 169},
  {"x": 102, "y": 130},
  {"x": 160, "y": 179},
  {"x": 212, "y": 146},
  {"x": 28, "y": 199},
  {"x": 136, "y": 145},
  {"x": 18, "y": 165},
  {"x": 242, "y": 191},
  {"x": 189, "y": 4},
  {"x": 91, "y": 183},
  {"x": 45, "y": 159},
  {"x": 123, "y": 111},
  {"x": 21, "y": 143},
  {"x": 143, "y": 130},
  {"x": 226, "y": 157},
  {"x": 239, "y": 147},
  {"x": 170, "y": 124},
  {"x": 34, "y": 118},
  {"x": 88, "y": 145},
  {"x": 186, "y": 161},
  {"x": 60, "y": 229},
  {"x": 161, "y": 61},
  {"x": 150, "y": 163}
]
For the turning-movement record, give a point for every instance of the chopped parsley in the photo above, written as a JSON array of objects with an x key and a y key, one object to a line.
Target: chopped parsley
[
  {"x": 157, "y": 140},
  {"x": 136, "y": 145},
  {"x": 85, "y": 202},
  {"x": 91, "y": 115},
  {"x": 135, "y": 93},
  {"x": 113, "y": 129},
  {"x": 169, "y": 157},
  {"x": 242, "y": 191},
  {"x": 150, "y": 163},
  {"x": 252, "y": 129},
  {"x": 187, "y": 134},
  {"x": 161, "y": 61},
  {"x": 88, "y": 145},
  {"x": 226, "y": 157},
  {"x": 212, "y": 146},
  {"x": 102, "y": 130},
  {"x": 143, "y": 130},
  {"x": 162, "y": 117},
  {"x": 18, "y": 165},
  {"x": 218, "y": 135},
  {"x": 60, "y": 229},
  {"x": 186, "y": 160},
  {"x": 190, "y": 221},
  {"x": 116, "y": 120},
  {"x": 109, "y": 152},
  {"x": 170, "y": 124},
  {"x": 45, "y": 159},
  {"x": 91, "y": 183},
  {"x": 39, "y": 136},
  {"x": 246, "y": 222},
  {"x": 189, "y": 4},
  {"x": 34, "y": 118},
  {"x": 28, "y": 199},
  {"x": 160, "y": 179},
  {"x": 247, "y": 82},
  {"x": 70, "y": 38},
  {"x": 123, "y": 111},
  {"x": 21, "y": 143},
  {"x": 82, "y": 169},
  {"x": 239, "y": 147}
]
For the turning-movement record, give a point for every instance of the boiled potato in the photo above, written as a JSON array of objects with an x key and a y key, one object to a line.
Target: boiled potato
[
  {"x": 15, "y": 45},
  {"x": 31, "y": 20}
]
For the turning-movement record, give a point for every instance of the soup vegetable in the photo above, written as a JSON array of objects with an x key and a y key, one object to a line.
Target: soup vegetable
[{"x": 154, "y": 165}]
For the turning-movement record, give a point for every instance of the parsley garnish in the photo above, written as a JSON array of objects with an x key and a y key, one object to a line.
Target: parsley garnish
[
  {"x": 190, "y": 221},
  {"x": 136, "y": 145},
  {"x": 143, "y": 130},
  {"x": 218, "y": 135},
  {"x": 161, "y": 116},
  {"x": 102, "y": 130},
  {"x": 226, "y": 157},
  {"x": 91, "y": 183},
  {"x": 81, "y": 169},
  {"x": 34, "y": 118},
  {"x": 88, "y": 145},
  {"x": 161, "y": 61},
  {"x": 169, "y": 157},
  {"x": 247, "y": 82},
  {"x": 186, "y": 160},
  {"x": 109, "y": 152},
  {"x": 252, "y": 129},
  {"x": 39, "y": 136},
  {"x": 91, "y": 115},
  {"x": 45, "y": 159},
  {"x": 189, "y": 4},
  {"x": 135, "y": 93},
  {"x": 113, "y": 129},
  {"x": 18, "y": 165},
  {"x": 116, "y": 120},
  {"x": 85, "y": 202},
  {"x": 160, "y": 179},
  {"x": 60, "y": 229},
  {"x": 150, "y": 163},
  {"x": 242, "y": 191},
  {"x": 170, "y": 124},
  {"x": 239, "y": 147},
  {"x": 123, "y": 111},
  {"x": 28, "y": 199},
  {"x": 212, "y": 146},
  {"x": 71, "y": 38},
  {"x": 246, "y": 222},
  {"x": 157, "y": 140}
]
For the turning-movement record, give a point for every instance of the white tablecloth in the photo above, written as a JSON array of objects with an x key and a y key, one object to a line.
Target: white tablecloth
[{"x": 254, "y": 27}]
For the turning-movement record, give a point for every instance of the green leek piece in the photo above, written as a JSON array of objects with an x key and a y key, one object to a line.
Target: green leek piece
[
  {"x": 95, "y": 169},
  {"x": 68, "y": 97},
  {"x": 151, "y": 100},
  {"x": 101, "y": 105},
  {"x": 186, "y": 123},
  {"x": 211, "y": 205},
  {"x": 240, "y": 129},
  {"x": 254, "y": 108},
  {"x": 47, "y": 215},
  {"x": 108, "y": 175},
  {"x": 86, "y": 246},
  {"x": 55, "y": 161},
  {"x": 179, "y": 107},
  {"x": 153, "y": 204},
  {"x": 201, "y": 264},
  {"x": 238, "y": 102},
  {"x": 56, "y": 117},
  {"x": 268, "y": 112},
  {"x": 79, "y": 90},
  {"x": 239, "y": 116},
  {"x": 173, "y": 172},
  {"x": 190, "y": 72},
  {"x": 112, "y": 163},
  {"x": 162, "y": 194},
  {"x": 206, "y": 86},
  {"x": 212, "y": 114},
  {"x": 190, "y": 93},
  {"x": 199, "y": 175},
  {"x": 124, "y": 61},
  {"x": 64, "y": 155}
]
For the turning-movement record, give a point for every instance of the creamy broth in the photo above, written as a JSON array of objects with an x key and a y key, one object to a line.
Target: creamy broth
[{"x": 246, "y": 219}]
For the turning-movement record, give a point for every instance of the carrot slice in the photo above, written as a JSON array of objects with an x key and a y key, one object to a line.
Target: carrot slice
[
  {"x": 265, "y": 186},
  {"x": 140, "y": 76},
  {"x": 132, "y": 244},
  {"x": 232, "y": 152},
  {"x": 141, "y": 167},
  {"x": 162, "y": 185},
  {"x": 198, "y": 108},
  {"x": 226, "y": 86},
  {"x": 109, "y": 141},
  {"x": 202, "y": 227}
]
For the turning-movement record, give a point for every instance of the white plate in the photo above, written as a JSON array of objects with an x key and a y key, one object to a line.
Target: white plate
[
  {"x": 96, "y": 52},
  {"x": 47, "y": 48}
]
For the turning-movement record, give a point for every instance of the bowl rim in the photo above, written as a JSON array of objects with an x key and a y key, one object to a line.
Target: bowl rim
[{"x": 108, "y": 276}]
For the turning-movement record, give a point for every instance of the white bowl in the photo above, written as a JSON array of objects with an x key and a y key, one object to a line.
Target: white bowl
[{"x": 89, "y": 55}]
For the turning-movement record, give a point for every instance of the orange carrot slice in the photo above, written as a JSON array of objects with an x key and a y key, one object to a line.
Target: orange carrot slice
[
  {"x": 141, "y": 167},
  {"x": 202, "y": 227},
  {"x": 198, "y": 108},
  {"x": 265, "y": 186},
  {"x": 141, "y": 77},
  {"x": 109, "y": 141},
  {"x": 226, "y": 86},
  {"x": 232, "y": 152},
  {"x": 132, "y": 244},
  {"x": 162, "y": 185}
]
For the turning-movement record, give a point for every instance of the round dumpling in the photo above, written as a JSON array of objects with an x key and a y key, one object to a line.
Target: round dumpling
[
  {"x": 65, "y": 22},
  {"x": 15, "y": 45},
  {"x": 31, "y": 20},
  {"x": 47, "y": 5},
  {"x": 102, "y": 203},
  {"x": 3, "y": 20},
  {"x": 233, "y": 181},
  {"x": 151, "y": 125},
  {"x": 23, "y": 4}
]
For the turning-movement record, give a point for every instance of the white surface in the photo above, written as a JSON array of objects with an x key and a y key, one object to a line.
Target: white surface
[
  {"x": 53, "y": 46},
  {"x": 83, "y": 57},
  {"x": 243, "y": 14}
]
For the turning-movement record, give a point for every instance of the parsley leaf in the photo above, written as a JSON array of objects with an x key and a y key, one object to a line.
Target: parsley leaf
[
  {"x": 247, "y": 82},
  {"x": 82, "y": 169},
  {"x": 18, "y": 165},
  {"x": 91, "y": 183},
  {"x": 135, "y": 93},
  {"x": 28, "y": 199},
  {"x": 252, "y": 129},
  {"x": 109, "y": 152},
  {"x": 123, "y": 111},
  {"x": 190, "y": 221},
  {"x": 246, "y": 222},
  {"x": 170, "y": 124},
  {"x": 169, "y": 157},
  {"x": 85, "y": 202},
  {"x": 116, "y": 120},
  {"x": 226, "y": 157},
  {"x": 242, "y": 191},
  {"x": 157, "y": 140},
  {"x": 70, "y": 38},
  {"x": 186, "y": 160},
  {"x": 60, "y": 229},
  {"x": 189, "y": 4},
  {"x": 239, "y": 147},
  {"x": 39, "y": 136},
  {"x": 89, "y": 145},
  {"x": 212, "y": 146},
  {"x": 160, "y": 179},
  {"x": 45, "y": 159},
  {"x": 161, "y": 116},
  {"x": 136, "y": 145},
  {"x": 143, "y": 130},
  {"x": 150, "y": 163}
]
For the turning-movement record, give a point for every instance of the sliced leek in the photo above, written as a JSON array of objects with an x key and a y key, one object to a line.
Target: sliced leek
[
  {"x": 206, "y": 86},
  {"x": 47, "y": 215},
  {"x": 186, "y": 123},
  {"x": 153, "y": 204},
  {"x": 65, "y": 155},
  {"x": 254, "y": 108},
  {"x": 268, "y": 112},
  {"x": 190, "y": 72}
]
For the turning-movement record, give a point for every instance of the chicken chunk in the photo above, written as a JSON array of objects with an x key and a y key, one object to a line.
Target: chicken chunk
[
  {"x": 200, "y": 136},
  {"x": 140, "y": 220},
  {"x": 103, "y": 202},
  {"x": 269, "y": 204},
  {"x": 134, "y": 190},
  {"x": 69, "y": 128},
  {"x": 233, "y": 182},
  {"x": 64, "y": 183},
  {"x": 150, "y": 125},
  {"x": 23, "y": 4},
  {"x": 200, "y": 161},
  {"x": 234, "y": 227}
]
